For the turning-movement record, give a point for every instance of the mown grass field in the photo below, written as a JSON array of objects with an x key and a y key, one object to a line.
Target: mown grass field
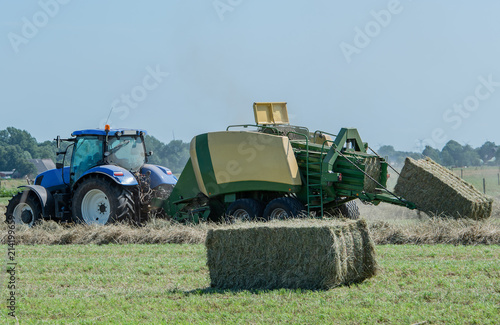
[{"x": 168, "y": 284}]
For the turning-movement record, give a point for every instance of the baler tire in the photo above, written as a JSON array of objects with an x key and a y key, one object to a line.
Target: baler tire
[
  {"x": 284, "y": 208},
  {"x": 350, "y": 210},
  {"x": 217, "y": 211},
  {"x": 112, "y": 203},
  {"x": 244, "y": 210},
  {"x": 24, "y": 209}
]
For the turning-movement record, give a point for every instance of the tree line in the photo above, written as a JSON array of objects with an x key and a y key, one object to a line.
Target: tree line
[
  {"x": 453, "y": 154},
  {"x": 17, "y": 147}
]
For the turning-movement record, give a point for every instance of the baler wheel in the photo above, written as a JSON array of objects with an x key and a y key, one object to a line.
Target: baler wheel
[
  {"x": 284, "y": 208},
  {"x": 25, "y": 209},
  {"x": 244, "y": 210},
  {"x": 349, "y": 210},
  {"x": 217, "y": 211}
]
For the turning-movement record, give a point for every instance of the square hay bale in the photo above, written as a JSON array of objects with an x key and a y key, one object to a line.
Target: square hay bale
[
  {"x": 306, "y": 254},
  {"x": 373, "y": 169},
  {"x": 436, "y": 190}
]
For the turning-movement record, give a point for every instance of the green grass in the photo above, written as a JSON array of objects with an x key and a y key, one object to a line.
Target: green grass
[
  {"x": 475, "y": 175},
  {"x": 8, "y": 192},
  {"x": 4, "y": 201},
  {"x": 9, "y": 188},
  {"x": 12, "y": 183},
  {"x": 126, "y": 284}
]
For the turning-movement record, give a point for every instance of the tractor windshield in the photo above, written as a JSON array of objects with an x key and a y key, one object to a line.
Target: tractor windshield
[
  {"x": 127, "y": 152},
  {"x": 87, "y": 153}
]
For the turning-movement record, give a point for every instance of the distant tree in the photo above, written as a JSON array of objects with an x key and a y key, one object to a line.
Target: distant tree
[
  {"x": 487, "y": 151},
  {"x": 47, "y": 149},
  {"x": 156, "y": 146},
  {"x": 15, "y": 137},
  {"x": 176, "y": 154},
  {"x": 17, "y": 147},
  {"x": 470, "y": 157},
  {"x": 395, "y": 157},
  {"x": 12, "y": 157},
  {"x": 447, "y": 159},
  {"x": 386, "y": 151},
  {"x": 432, "y": 153},
  {"x": 173, "y": 155},
  {"x": 455, "y": 150}
]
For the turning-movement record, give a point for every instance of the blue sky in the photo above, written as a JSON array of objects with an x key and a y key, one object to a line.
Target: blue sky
[{"x": 404, "y": 72}]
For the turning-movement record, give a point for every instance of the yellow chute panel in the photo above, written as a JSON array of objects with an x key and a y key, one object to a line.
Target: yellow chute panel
[{"x": 251, "y": 156}]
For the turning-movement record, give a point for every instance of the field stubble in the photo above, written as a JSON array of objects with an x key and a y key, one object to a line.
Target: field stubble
[{"x": 387, "y": 224}]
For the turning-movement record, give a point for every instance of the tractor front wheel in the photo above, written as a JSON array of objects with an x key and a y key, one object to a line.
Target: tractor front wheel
[
  {"x": 98, "y": 201},
  {"x": 24, "y": 209}
]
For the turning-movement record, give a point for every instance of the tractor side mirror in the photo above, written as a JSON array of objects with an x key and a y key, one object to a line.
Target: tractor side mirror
[
  {"x": 59, "y": 165},
  {"x": 149, "y": 154},
  {"x": 58, "y": 142}
]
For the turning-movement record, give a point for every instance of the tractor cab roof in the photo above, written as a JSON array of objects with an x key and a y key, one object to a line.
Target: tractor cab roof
[{"x": 112, "y": 132}]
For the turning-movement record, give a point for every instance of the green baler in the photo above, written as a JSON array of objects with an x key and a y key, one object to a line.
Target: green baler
[{"x": 277, "y": 171}]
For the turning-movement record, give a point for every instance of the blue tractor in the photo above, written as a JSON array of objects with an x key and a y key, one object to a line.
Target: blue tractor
[{"x": 107, "y": 181}]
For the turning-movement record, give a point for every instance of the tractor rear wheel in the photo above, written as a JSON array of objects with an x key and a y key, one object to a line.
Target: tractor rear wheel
[
  {"x": 24, "y": 209},
  {"x": 244, "y": 210},
  {"x": 284, "y": 208},
  {"x": 98, "y": 201}
]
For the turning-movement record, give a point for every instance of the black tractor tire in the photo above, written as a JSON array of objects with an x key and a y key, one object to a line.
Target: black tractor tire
[
  {"x": 102, "y": 202},
  {"x": 349, "y": 210},
  {"x": 24, "y": 209},
  {"x": 244, "y": 210},
  {"x": 284, "y": 208}
]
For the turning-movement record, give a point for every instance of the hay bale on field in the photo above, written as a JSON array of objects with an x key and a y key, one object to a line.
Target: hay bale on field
[
  {"x": 436, "y": 190},
  {"x": 295, "y": 254}
]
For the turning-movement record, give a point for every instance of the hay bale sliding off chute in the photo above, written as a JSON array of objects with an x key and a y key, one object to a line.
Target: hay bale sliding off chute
[
  {"x": 436, "y": 190},
  {"x": 294, "y": 254}
]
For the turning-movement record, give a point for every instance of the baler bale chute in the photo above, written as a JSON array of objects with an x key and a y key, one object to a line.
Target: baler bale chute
[
  {"x": 274, "y": 170},
  {"x": 450, "y": 195}
]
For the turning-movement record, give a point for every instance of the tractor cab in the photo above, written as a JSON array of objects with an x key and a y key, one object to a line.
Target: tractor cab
[{"x": 118, "y": 147}]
